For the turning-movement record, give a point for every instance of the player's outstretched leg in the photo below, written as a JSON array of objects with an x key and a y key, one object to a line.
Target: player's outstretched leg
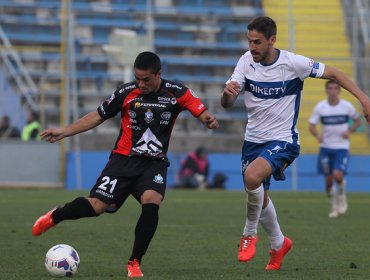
[
  {"x": 78, "y": 208},
  {"x": 133, "y": 269},
  {"x": 277, "y": 256}
]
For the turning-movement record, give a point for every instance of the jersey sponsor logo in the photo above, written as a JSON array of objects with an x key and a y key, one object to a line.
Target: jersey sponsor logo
[
  {"x": 333, "y": 120},
  {"x": 132, "y": 120},
  {"x": 158, "y": 179},
  {"x": 149, "y": 116},
  {"x": 267, "y": 90},
  {"x": 130, "y": 87},
  {"x": 110, "y": 99},
  {"x": 167, "y": 100},
  {"x": 148, "y": 144},
  {"x": 138, "y": 99},
  {"x": 251, "y": 65},
  {"x": 133, "y": 127},
  {"x": 102, "y": 109},
  {"x": 138, "y": 105},
  {"x": 200, "y": 107},
  {"x": 105, "y": 194},
  {"x": 274, "y": 90},
  {"x": 164, "y": 99},
  {"x": 132, "y": 114},
  {"x": 166, "y": 116},
  {"x": 169, "y": 85}
]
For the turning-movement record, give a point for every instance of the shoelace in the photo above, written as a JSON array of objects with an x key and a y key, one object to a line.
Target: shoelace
[
  {"x": 135, "y": 267},
  {"x": 245, "y": 243}
]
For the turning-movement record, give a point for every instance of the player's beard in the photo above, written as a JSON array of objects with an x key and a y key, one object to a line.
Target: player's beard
[{"x": 261, "y": 57}]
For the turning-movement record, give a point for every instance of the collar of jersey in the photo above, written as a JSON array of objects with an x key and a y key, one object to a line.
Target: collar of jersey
[{"x": 277, "y": 57}]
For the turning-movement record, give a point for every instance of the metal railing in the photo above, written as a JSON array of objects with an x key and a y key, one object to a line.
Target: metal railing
[{"x": 19, "y": 73}]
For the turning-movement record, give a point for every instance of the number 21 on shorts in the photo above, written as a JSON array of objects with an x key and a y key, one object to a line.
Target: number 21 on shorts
[{"x": 107, "y": 183}]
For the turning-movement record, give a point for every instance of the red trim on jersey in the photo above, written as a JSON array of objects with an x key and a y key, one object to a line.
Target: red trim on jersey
[
  {"x": 193, "y": 104},
  {"x": 124, "y": 143}
]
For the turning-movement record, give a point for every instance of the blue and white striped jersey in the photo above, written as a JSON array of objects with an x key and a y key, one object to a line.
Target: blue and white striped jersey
[
  {"x": 334, "y": 120},
  {"x": 273, "y": 94}
]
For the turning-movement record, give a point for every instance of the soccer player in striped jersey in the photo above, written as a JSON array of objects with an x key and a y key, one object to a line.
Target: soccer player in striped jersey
[
  {"x": 334, "y": 114},
  {"x": 272, "y": 82}
]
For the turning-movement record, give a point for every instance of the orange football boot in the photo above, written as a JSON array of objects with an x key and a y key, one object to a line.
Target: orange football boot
[
  {"x": 43, "y": 223},
  {"x": 276, "y": 257},
  {"x": 247, "y": 248},
  {"x": 133, "y": 269}
]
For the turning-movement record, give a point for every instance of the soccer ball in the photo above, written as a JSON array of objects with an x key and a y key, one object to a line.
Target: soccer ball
[{"x": 62, "y": 260}]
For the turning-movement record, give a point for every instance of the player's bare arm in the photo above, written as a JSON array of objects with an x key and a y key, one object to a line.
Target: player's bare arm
[
  {"x": 208, "y": 120},
  {"x": 230, "y": 93},
  {"x": 87, "y": 122},
  {"x": 315, "y": 133},
  {"x": 342, "y": 79}
]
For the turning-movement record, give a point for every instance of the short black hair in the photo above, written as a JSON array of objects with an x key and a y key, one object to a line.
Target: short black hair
[
  {"x": 328, "y": 82},
  {"x": 264, "y": 25},
  {"x": 148, "y": 61}
]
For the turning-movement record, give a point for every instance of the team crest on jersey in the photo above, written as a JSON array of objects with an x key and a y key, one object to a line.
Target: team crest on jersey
[
  {"x": 148, "y": 116},
  {"x": 158, "y": 179}
]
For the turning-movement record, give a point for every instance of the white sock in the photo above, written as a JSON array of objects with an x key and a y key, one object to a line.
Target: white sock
[
  {"x": 342, "y": 199},
  {"x": 269, "y": 222},
  {"x": 342, "y": 187},
  {"x": 254, "y": 207},
  {"x": 333, "y": 196}
]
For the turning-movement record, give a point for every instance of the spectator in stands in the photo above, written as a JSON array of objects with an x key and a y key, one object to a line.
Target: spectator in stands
[
  {"x": 334, "y": 115},
  {"x": 271, "y": 81},
  {"x": 6, "y": 130},
  {"x": 138, "y": 163},
  {"x": 194, "y": 168},
  {"x": 31, "y": 131}
]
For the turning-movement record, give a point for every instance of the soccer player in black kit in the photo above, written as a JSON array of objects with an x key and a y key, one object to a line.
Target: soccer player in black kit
[{"x": 138, "y": 164}]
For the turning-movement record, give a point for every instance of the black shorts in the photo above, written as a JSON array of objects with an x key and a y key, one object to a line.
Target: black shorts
[{"x": 129, "y": 175}]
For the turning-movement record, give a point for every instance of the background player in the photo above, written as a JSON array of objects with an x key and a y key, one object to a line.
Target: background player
[
  {"x": 334, "y": 115},
  {"x": 138, "y": 163},
  {"x": 272, "y": 80}
]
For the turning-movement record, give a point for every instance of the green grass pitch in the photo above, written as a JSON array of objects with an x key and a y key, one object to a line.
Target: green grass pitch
[{"x": 196, "y": 239}]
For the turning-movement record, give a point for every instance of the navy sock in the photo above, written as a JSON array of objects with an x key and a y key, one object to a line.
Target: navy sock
[
  {"x": 78, "y": 208},
  {"x": 145, "y": 229}
]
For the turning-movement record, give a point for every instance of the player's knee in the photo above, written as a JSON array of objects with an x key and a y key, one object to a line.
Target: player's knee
[
  {"x": 98, "y": 205},
  {"x": 251, "y": 181},
  {"x": 151, "y": 196},
  {"x": 338, "y": 176}
]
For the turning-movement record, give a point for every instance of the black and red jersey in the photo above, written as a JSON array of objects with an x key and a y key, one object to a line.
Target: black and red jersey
[{"x": 147, "y": 119}]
